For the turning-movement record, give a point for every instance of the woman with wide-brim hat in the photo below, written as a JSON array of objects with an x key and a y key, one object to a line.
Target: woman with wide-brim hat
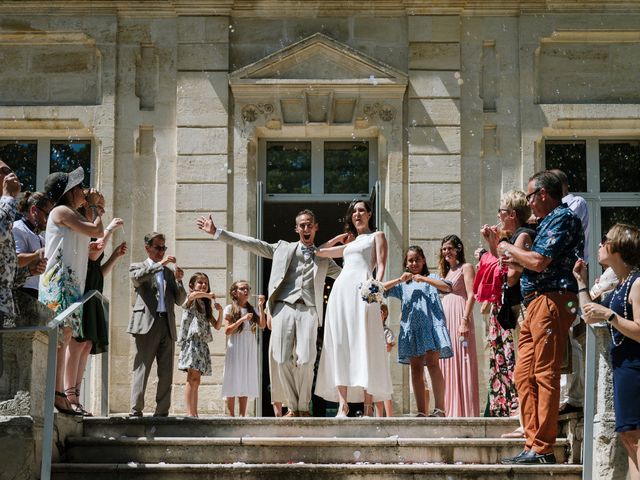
[{"x": 62, "y": 283}]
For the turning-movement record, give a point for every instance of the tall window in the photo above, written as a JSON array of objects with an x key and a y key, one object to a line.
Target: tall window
[
  {"x": 33, "y": 160},
  {"x": 606, "y": 172},
  {"x": 324, "y": 170}
]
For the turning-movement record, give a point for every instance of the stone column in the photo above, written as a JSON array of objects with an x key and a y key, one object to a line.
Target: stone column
[{"x": 609, "y": 457}]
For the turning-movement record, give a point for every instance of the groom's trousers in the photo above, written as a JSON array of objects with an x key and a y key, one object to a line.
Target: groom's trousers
[{"x": 293, "y": 346}]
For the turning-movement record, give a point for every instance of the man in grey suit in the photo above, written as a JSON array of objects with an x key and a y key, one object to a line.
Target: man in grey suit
[
  {"x": 153, "y": 323},
  {"x": 296, "y": 288}
]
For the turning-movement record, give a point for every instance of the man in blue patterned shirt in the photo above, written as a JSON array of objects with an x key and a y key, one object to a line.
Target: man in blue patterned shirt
[{"x": 550, "y": 295}]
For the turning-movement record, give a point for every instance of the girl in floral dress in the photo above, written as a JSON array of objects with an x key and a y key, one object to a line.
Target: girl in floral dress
[
  {"x": 423, "y": 338},
  {"x": 241, "y": 361},
  {"x": 194, "y": 336}
]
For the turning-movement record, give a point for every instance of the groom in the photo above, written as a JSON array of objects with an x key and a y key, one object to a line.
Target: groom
[{"x": 296, "y": 287}]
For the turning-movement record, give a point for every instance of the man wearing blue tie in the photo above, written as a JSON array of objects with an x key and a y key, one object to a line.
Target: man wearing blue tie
[{"x": 153, "y": 323}]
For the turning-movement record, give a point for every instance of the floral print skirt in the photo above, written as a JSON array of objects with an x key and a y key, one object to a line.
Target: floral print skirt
[
  {"x": 194, "y": 354},
  {"x": 58, "y": 290},
  {"x": 503, "y": 397}
]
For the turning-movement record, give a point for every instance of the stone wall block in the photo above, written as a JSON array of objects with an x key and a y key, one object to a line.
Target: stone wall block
[
  {"x": 441, "y": 28},
  {"x": 203, "y": 197},
  {"x": 334, "y": 27},
  {"x": 202, "y": 168},
  {"x": 434, "y": 168},
  {"x": 433, "y": 225},
  {"x": 202, "y": 141},
  {"x": 67, "y": 60},
  {"x": 429, "y": 112},
  {"x": 439, "y": 196},
  {"x": 435, "y": 140},
  {"x": 186, "y": 224},
  {"x": 203, "y": 99},
  {"x": 381, "y": 30},
  {"x": 197, "y": 254},
  {"x": 147, "y": 76},
  {"x": 199, "y": 57},
  {"x": 433, "y": 83},
  {"x": 438, "y": 56}
]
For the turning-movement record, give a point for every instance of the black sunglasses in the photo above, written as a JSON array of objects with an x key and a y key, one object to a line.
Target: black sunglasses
[
  {"x": 159, "y": 248},
  {"x": 529, "y": 196}
]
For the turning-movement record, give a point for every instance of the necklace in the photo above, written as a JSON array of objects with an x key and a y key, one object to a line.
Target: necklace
[{"x": 625, "y": 299}]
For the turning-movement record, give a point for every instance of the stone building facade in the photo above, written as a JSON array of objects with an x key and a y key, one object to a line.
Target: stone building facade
[{"x": 240, "y": 108}]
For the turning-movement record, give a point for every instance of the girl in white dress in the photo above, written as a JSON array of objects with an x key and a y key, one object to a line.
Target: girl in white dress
[
  {"x": 353, "y": 365},
  {"x": 241, "y": 362}
]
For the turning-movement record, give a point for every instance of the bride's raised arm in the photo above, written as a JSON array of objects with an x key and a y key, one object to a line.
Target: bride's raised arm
[
  {"x": 331, "y": 248},
  {"x": 381, "y": 254}
]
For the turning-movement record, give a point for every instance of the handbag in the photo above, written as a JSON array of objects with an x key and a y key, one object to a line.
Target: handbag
[{"x": 510, "y": 299}]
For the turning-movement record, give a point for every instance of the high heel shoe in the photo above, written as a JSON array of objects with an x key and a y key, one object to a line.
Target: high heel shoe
[
  {"x": 343, "y": 410},
  {"x": 66, "y": 410}
]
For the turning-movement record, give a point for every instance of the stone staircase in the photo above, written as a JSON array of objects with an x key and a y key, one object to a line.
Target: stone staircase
[{"x": 301, "y": 448}]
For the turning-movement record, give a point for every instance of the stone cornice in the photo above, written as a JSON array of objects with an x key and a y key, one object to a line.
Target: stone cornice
[{"x": 313, "y": 8}]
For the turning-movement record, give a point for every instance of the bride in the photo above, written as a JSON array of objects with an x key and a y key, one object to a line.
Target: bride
[{"x": 353, "y": 364}]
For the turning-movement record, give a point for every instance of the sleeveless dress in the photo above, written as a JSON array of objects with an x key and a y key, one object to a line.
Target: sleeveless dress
[
  {"x": 354, "y": 352},
  {"x": 240, "y": 377},
  {"x": 422, "y": 326},
  {"x": 461, "y": 396},
  {"x": 625, "y": 362},
  {"x": 63, "y": 280},
  {"x": 193, "y": 339},
  {"x": 94, "y": 324}
]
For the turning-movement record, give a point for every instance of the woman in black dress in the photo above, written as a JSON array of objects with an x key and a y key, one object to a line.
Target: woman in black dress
[{"x": 620, "y": 250}]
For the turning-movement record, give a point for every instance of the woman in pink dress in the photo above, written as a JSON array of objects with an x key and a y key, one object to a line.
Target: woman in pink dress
[{"x": 461, "y": 371}]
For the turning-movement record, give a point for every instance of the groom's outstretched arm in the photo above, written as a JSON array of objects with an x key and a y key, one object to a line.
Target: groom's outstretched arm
[{"x": 253, "y": 245}]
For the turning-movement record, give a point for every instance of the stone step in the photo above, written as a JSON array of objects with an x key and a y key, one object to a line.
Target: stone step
[
  {"x": 285, "y": 450},
  {"x": 136, "y": 471},
  {"x": 410, "y": 427}
]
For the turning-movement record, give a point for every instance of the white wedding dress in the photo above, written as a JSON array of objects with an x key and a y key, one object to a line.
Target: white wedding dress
[{"x": 354, "y": 351}]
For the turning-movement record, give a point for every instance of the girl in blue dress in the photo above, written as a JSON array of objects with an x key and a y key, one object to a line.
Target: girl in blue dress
[{"x": 423, "y": 338}]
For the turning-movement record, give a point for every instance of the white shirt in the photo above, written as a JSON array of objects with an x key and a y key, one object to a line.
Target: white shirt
[
  {"x": 27, "y": 241},
  {"x": 579, "y": 206},
  {"x": 162, "y": 307}
]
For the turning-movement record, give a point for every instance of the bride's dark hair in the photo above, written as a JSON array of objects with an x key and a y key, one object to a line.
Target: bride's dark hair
[{"x": 348, "y": 223}]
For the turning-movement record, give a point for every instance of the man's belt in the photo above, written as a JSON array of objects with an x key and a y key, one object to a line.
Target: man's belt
[{"x": 531, "y": 296}]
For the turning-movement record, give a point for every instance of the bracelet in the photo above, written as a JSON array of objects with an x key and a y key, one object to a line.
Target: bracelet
[
  {"x": 583, "y": 289},
  {"x": 611, "y": 317},
  {"x": 109, "y": 229}
]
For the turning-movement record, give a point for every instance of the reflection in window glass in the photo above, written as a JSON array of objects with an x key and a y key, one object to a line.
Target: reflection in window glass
[
  {"x": 22, "y": 157},
  {"x": 571, "y": 158},
  {"x": 619, "y": 166},
  {"x": 66, "y": 156},
  {"x": 612, "y": 215},
  {"x": 288, "y": 167},
  {"x": 346, "y": 167}
]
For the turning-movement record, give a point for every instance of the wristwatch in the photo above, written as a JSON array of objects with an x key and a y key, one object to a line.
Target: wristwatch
[{"x": 611, "y": 317}]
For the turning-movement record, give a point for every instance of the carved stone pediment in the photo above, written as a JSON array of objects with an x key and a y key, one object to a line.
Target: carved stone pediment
[
  {"x": 318, "y": 57},
  {"x": 317, "y": 80}
]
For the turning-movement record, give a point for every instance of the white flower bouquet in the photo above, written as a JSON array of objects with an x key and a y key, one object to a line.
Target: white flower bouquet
[{"x": 371, "y": 291}]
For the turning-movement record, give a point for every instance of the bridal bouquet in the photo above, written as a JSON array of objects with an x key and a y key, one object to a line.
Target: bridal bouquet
[{"x": 371, "y": 291}]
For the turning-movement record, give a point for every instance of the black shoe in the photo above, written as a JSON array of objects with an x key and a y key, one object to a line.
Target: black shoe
[
  {"x": 135, "y": 414},
  {"x": 531, "y": 457},
  {"x": 512, "y": 460},
  {"x": 568, "y": 408}
]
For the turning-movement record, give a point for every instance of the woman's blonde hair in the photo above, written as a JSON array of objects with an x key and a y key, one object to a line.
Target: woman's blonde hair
[
  {"x": 625, "y": 240},
  {"x": 516, "y": 200}
]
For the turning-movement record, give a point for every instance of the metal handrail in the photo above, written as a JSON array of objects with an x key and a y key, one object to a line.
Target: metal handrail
[{"x": 52, "y": 331}]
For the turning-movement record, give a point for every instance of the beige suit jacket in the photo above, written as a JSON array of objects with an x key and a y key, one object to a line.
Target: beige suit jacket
[{"x": 281, "y": 253}]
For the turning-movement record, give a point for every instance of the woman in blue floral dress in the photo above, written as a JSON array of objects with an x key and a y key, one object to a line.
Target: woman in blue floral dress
[
  {"x": 195, "y": 335},
  {"x": 423, "y": 338}
]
